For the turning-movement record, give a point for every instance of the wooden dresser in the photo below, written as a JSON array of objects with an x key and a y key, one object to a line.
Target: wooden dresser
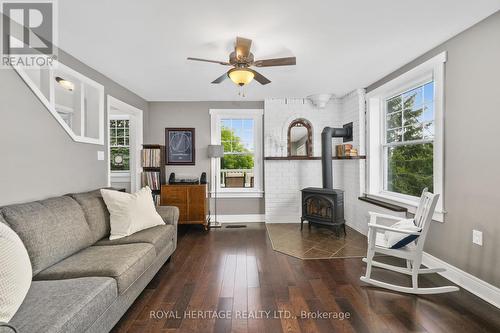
[{"x": 191, "y": 200}]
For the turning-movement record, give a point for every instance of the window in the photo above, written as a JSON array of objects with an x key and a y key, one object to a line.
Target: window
[
  {"x": 237, "y": 165},
  {"x": 405, "y": 144},
  {"x": 119, "y": 135},
  {"x": 239, "y": 172},
  {"x": 409, "y": 141}
]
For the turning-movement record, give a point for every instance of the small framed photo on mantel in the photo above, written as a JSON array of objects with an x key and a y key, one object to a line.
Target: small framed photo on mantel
[{"x": 180, "y": 146}]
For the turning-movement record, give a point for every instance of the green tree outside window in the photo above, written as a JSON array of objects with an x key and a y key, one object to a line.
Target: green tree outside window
[
  {"x": 236, "y": 155},
  {"x": 409, "y": 137}
]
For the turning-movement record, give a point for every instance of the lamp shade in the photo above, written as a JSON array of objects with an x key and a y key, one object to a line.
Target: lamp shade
[{"x": 215, "y": 151}]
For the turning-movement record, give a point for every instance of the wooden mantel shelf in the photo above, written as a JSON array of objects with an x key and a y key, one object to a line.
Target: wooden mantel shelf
[{"x": 303, "y": 158}]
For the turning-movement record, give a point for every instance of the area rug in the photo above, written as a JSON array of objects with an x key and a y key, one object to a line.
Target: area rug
[{"x": 316, "y": 242}]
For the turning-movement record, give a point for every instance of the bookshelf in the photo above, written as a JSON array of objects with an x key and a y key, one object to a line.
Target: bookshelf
[{"x": 153, "y": 169}]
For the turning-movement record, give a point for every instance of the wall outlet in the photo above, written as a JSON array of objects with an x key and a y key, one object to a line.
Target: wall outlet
[
  {"x": 477, "y": 237},
  {"x": 100, "y": 155}
]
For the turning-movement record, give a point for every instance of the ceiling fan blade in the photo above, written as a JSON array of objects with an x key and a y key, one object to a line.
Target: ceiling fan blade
[
  {"x": 220, "y": 78},
  {"x": 276, "y": 62},
  {"x": 259, "y": 77},
  {"x": 242, "y": 47},
  {"x": 212, "y": 61}
]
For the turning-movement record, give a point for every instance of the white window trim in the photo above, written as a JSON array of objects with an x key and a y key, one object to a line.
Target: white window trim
[
  {"x": 135, "y": 115},
  {"x": 216, "y": 115},
  {"x": 432, "y": 69}
]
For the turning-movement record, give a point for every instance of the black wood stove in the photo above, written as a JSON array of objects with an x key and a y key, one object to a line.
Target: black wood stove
[{"x": 325, "y": 206}]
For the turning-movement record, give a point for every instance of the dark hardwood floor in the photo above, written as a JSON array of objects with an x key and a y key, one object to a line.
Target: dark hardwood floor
[{"x": 236, "y": 270}]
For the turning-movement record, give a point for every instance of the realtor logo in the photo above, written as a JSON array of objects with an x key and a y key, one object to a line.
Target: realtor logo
[{"x": 28, "y": 28}]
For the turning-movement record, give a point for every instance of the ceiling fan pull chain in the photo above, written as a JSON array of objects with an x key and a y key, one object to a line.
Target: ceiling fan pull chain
[{"x": 241, "y": 92}]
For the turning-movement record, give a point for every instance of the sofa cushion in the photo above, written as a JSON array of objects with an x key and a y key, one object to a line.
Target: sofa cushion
[
  {"x": 96, "y": 213},
  {"x": 158, "y": 236},
  {"x": 51, "y": 229},
  {"x": 125, "y": 263},
  {"x": 64, "y": 306}
]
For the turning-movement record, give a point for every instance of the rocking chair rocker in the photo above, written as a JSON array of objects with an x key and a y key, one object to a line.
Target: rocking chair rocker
[{"x": 411, "y": 252}]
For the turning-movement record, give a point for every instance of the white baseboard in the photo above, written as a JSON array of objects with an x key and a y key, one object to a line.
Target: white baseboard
[
  {"x": 246, "y": 218},
  {"x": 476, "y": 286},
  {"x": 282, "y": 218}
]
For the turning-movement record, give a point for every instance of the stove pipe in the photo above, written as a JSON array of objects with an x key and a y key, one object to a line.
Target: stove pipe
[{"x": 326, "y": 151}]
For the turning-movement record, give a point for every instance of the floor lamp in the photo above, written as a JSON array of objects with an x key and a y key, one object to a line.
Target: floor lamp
[{"x": 215, "y": 151}]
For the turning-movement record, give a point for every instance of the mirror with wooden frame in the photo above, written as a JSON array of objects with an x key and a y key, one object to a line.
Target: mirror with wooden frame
[{"x": 300, "y": 138}]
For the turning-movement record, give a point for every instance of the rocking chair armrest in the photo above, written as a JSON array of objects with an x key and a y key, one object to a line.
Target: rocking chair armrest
[
  {"x": 384, "y": 216},
  {"x": 402, "y": 231}
]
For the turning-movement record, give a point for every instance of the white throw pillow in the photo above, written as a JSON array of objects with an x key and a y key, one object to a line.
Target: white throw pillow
[
  {"x": 396, "y": 240},
  {"x": 130, "y": 213},
  {"x": 15, "y": 273}
]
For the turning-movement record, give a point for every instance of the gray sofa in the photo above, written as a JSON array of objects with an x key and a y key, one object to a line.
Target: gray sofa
[{"x": 82, "y": 281}]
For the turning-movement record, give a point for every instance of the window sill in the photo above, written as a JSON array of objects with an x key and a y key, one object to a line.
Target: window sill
[
  {"x": 242, "y": 194},
  {"x": 410, "y": 205},
  {"x": 120, "y": 176},
  {"x": 383, "y": 204}
]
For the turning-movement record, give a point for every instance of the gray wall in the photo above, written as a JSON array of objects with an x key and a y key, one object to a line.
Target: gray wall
[
  {"x": 38, "y": 159},
  {"x": 472, "y": 154},
  {"x": 195, "y": 114}
]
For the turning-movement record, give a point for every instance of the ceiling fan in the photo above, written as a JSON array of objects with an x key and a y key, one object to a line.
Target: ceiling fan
[{"x": 242, "y": 59}]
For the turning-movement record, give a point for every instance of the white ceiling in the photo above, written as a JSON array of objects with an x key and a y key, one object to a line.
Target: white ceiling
[{"x": 340, "y": 45}]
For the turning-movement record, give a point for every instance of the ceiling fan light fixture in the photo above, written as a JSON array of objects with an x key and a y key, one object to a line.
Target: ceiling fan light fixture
[
  {"x": 241, "y": 76},
  {"x": 241, "y": 59}
]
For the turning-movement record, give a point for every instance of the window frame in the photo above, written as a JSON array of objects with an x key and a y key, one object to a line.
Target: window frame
[
  {"x": 430, "y": 70},
  {"x": 385, "y": 145},
  {"x": 119, "y": 173},
  {"x": 216, "y": 116}
]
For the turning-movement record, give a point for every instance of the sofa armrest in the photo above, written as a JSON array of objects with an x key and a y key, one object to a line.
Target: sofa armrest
[{"x": 169, "y": 214}]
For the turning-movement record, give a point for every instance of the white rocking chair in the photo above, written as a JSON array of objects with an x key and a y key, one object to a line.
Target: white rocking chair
[{"x": 411, "y": 252}]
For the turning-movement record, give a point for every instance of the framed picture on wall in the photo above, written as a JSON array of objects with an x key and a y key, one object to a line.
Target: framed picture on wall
[{"x": 180, "y": 146}]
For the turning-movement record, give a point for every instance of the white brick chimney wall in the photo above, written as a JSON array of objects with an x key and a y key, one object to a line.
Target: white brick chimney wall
[
  {"x": 353, "y": 109},
  {"x": 279, "y": 113},
  {"x": 284, "y": 178}
]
